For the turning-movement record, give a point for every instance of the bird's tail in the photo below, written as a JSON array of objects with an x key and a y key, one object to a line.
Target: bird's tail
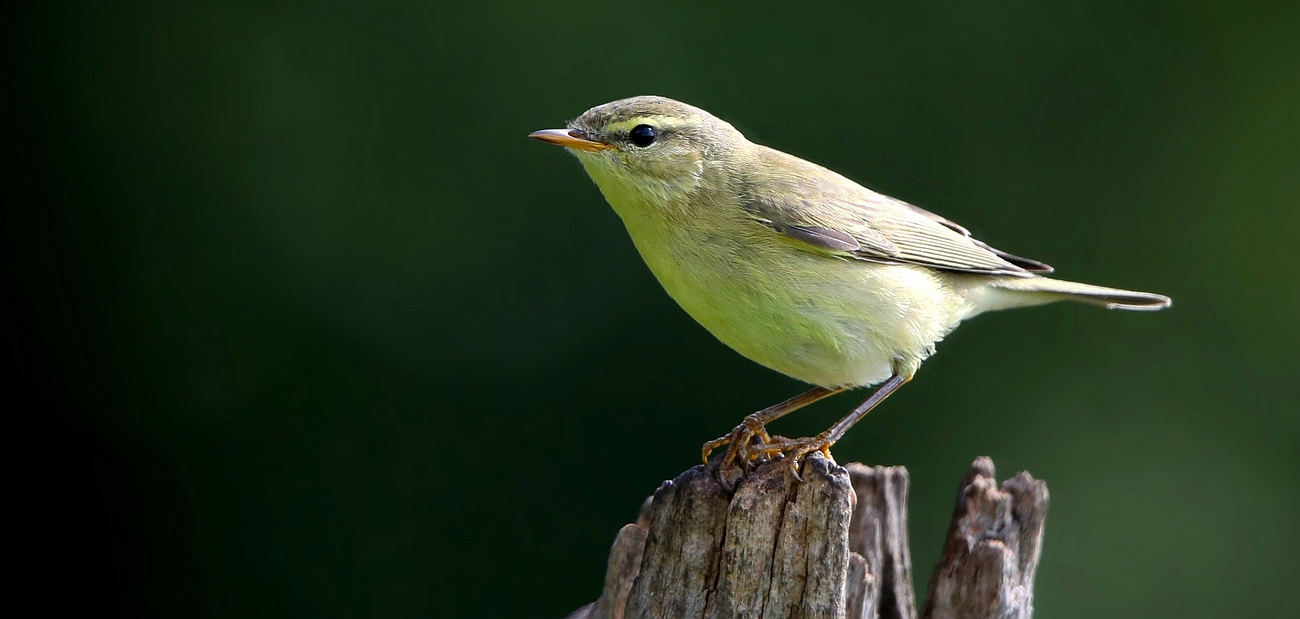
[{"x": 1023, "y": 291}]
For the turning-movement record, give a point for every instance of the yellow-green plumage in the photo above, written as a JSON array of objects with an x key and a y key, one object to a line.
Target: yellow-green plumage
[{"x": 792, "y": 265}]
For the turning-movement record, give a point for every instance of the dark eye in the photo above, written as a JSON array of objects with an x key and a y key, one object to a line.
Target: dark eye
[{"x": 642, "y": 135}]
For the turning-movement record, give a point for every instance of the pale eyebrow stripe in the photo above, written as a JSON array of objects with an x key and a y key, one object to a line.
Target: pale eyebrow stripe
[{"x": 658, "y": 121}]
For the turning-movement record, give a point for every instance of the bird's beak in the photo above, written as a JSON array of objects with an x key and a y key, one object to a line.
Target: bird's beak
[{"x": 569, "y": 138}]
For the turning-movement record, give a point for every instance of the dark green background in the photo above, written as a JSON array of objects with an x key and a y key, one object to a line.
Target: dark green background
[{"x": 313, "y": 329}]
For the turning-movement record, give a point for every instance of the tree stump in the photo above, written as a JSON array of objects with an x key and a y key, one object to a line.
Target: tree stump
[{"x": 833, "y": 546}]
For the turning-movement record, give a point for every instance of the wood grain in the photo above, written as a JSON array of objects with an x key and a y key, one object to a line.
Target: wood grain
[{"x": 834, "y": 545}]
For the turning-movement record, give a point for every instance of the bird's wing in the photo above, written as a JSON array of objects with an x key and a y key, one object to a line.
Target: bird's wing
[
  {"x": 826, "y": 212},
  {"x": 1028, "y": 264}
]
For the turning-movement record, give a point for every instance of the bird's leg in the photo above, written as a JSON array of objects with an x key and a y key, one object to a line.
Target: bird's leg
[
  {"x": 796, "y": 449},
  {"x": 753, "y": 425}
]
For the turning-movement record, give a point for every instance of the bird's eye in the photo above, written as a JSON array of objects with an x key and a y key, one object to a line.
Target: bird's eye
[{"x": 642, "y": 135}]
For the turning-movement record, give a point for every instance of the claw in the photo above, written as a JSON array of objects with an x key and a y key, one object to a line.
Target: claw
[
  {"x": 793, "y": 451},
  {"x": 751, "y": 432},
  {"x": 741, "y": 439},
  {"x": 714, "y": 444}
]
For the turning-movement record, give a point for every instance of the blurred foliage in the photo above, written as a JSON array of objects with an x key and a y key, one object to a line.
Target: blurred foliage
[{"x": 342, "y": 342}]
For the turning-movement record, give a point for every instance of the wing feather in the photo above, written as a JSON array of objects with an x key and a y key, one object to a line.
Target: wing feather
[{"x": 817, "y": 207}]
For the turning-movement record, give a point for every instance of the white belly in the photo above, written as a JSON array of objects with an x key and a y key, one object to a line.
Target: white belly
[{"x": 822, "y": 320}]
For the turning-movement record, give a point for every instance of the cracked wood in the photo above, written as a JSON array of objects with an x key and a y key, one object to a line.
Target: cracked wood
[{"x": 833, "y": 546}]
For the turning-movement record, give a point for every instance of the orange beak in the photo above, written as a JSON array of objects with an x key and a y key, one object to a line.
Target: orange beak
[{"x": 569, "y": 138}]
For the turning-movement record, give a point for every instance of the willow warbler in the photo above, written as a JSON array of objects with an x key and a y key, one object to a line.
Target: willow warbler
[{"x": 794, "y": 266}]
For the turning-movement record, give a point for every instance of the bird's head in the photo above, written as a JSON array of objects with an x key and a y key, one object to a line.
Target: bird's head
[{"x": 648, "y": 150}]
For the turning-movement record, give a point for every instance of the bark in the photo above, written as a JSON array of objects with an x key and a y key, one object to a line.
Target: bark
[
  {"x": 992, "y": 551},
  {"x": 833, "y": 545}
]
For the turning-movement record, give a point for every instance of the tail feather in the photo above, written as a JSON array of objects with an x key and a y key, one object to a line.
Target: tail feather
[{"x": 1014, "y": 292}]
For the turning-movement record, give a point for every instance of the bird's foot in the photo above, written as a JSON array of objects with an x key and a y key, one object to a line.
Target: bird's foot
[
  {"x": 740, "y": 441},
  {"x": 793, "y": 450}
]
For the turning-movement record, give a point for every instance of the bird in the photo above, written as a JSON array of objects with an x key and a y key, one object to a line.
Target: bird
[{"x": 797, "y": 267}]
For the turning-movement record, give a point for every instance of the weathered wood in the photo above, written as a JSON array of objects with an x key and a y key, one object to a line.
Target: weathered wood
[
  {"x": 832, "y": 546},
  {"x": 878, "y": 532},
  {"x": 621, "y": 571},
  {"x": 861, "y": 590},
  {"x": 811, "y": 558},
  {"x": 994, "y": 542},
  {"x": 772, "y": 548}
]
